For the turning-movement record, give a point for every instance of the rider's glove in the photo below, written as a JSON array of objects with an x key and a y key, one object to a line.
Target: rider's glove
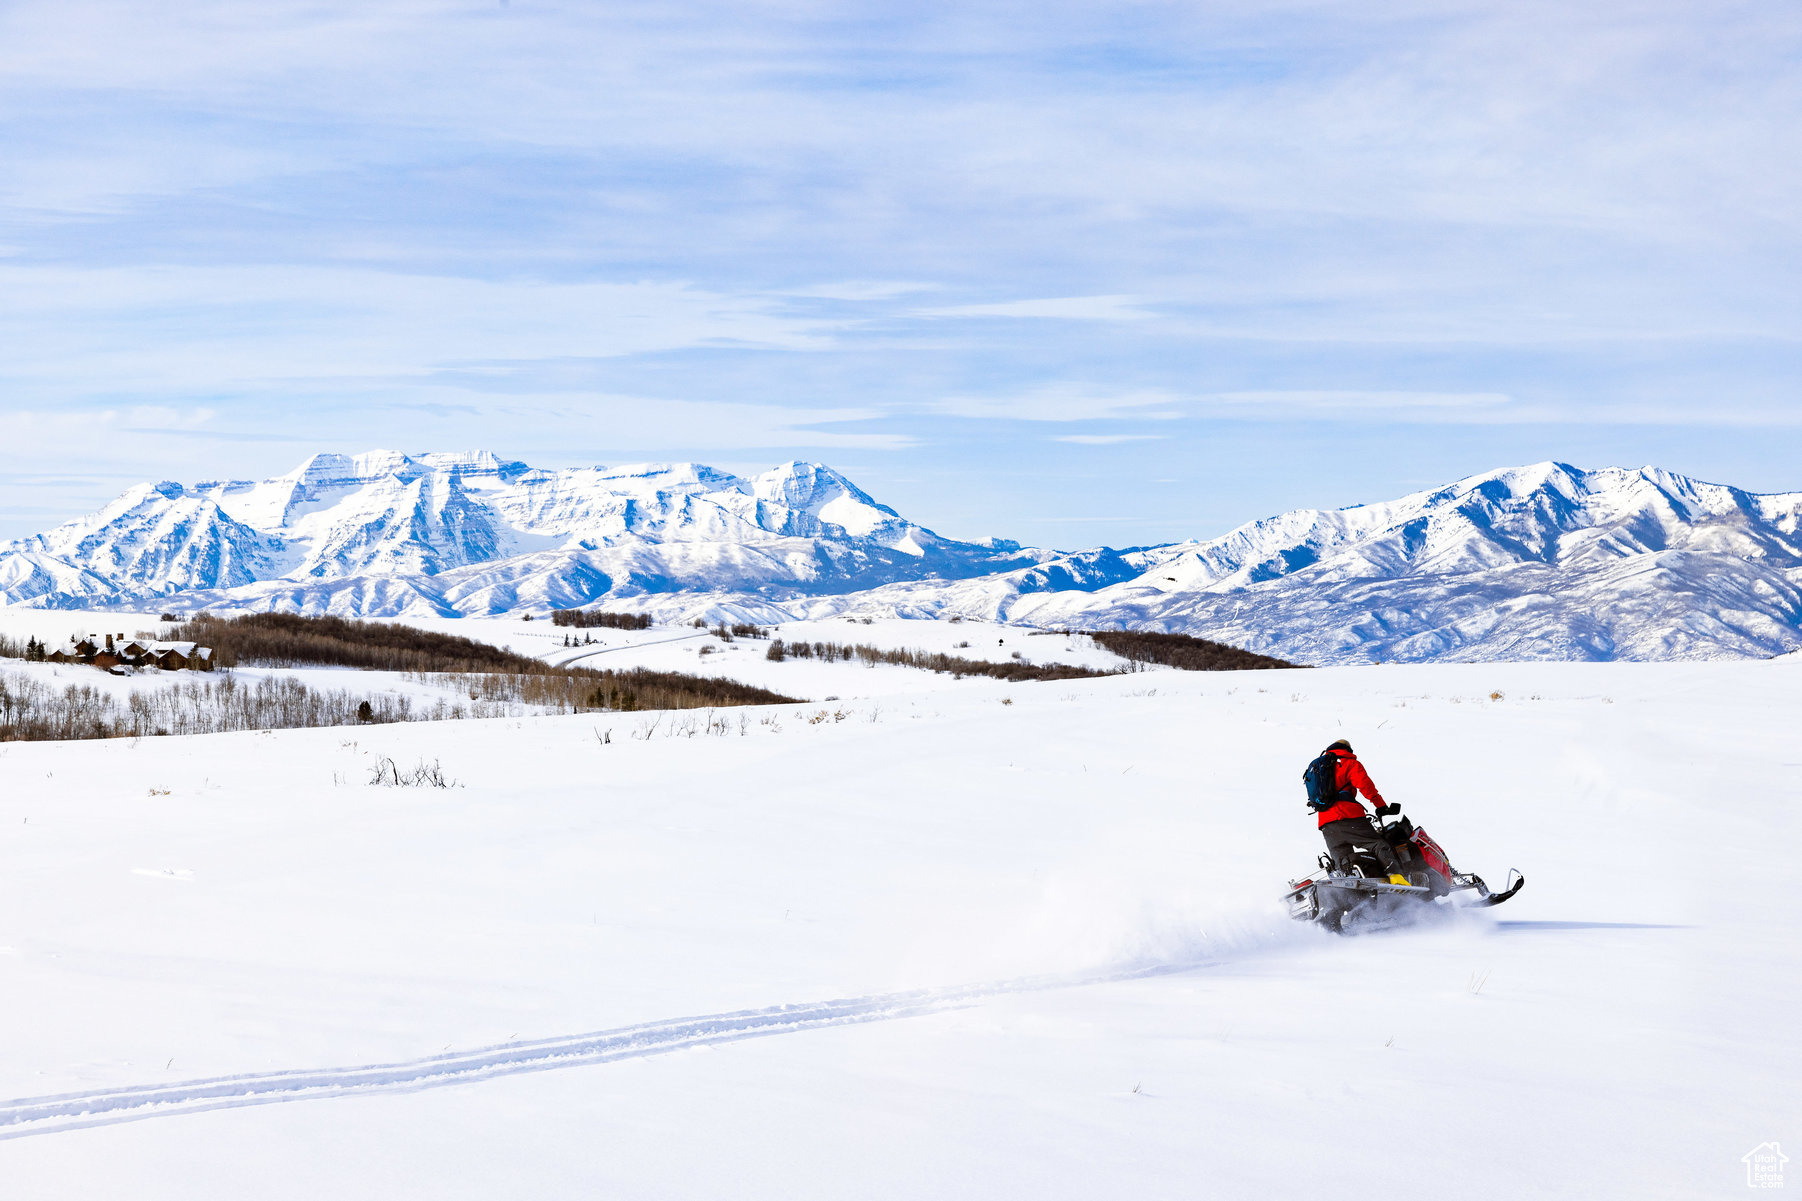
[{"x": 1388, "y": 810}]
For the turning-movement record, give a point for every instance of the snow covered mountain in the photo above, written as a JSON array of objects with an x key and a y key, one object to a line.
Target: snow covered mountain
[
  {"x": 1540, "y": 562},
  {"x": 455, "y": 534}
]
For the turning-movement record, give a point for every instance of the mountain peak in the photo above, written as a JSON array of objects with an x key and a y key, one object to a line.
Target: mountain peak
[
  {"x": 337, "y": 470},
  {"x": 825, "y": 495}
]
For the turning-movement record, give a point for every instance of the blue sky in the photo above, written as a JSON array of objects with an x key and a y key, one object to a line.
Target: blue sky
[{"x": 1071, "y": 274}]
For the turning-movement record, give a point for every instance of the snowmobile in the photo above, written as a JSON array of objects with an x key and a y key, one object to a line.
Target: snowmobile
[{"x": 1366, "y": 899}]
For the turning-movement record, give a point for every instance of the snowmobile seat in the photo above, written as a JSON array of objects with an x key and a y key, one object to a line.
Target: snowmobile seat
[{"x": 1398, "y": 831}]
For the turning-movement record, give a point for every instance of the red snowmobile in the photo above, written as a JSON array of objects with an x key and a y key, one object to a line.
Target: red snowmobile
[{"x": 1366, "y": 899}]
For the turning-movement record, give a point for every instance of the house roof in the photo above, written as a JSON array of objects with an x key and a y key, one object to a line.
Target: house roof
[{"x": 185, "y": 649}]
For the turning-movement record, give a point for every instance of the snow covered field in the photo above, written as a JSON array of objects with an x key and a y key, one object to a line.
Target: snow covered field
[
  {"x": 1047, "y": 913},
  {"x": 682, "y": 648}
]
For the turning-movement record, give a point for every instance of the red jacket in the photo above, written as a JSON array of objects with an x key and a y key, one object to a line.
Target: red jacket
[{"x": 1351, "y": 774}]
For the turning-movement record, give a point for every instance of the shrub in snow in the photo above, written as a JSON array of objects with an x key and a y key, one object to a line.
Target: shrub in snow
[{"x": 387, "y": 774}]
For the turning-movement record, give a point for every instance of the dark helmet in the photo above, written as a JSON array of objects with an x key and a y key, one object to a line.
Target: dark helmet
[{"x": 1340, "y": 745}]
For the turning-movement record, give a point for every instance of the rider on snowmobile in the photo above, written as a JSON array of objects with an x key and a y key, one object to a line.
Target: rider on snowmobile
[{"x": 1343, "y": 822}]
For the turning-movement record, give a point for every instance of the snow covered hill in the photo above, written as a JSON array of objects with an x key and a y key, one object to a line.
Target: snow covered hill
[{"x": 1540, "y": 562}]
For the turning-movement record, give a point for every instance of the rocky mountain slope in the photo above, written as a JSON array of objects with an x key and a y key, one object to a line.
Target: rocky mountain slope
[
  {"x": 1540, "y": 562},
  {"x": 447, "y": 534}
]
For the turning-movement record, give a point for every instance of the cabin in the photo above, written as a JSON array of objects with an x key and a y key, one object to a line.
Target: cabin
[
  {"x": 112, "y": 651},
  {"x": 180, "y": 656}
]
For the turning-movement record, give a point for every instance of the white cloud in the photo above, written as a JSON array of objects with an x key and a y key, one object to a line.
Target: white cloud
[
  {"x": 1364, "y": 400},
  {"x": 86, "y": 333},
  {"x": 159, "y": 418},
  {"x": 642, "y": 424},
  {"x": 1063, "y": 402},
  {"x": 1062, "y": 308},
  {"x": 1106, "y": 439},
  {"x": 860, "y": 290}
]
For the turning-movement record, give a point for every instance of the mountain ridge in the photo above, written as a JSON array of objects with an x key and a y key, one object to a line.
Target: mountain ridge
[
  {"x": 1544, "y": 560},
  {"x": 398, "y": 532}
]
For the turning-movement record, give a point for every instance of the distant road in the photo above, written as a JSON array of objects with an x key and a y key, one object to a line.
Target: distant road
[{"x": 607, "y": 650}]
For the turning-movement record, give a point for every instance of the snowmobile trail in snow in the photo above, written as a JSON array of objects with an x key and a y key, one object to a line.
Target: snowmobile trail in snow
[
  {"x": 1509, "y": 927},
  {"x": 29, "y": 1116}
]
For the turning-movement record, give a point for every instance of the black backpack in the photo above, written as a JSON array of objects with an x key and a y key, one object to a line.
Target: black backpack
[{"x": 1321, "y": 779}]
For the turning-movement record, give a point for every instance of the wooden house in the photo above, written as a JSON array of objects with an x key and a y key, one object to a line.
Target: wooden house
[
  {"x": 180, "y": 656},
  {"x": 114, "y": 651}
]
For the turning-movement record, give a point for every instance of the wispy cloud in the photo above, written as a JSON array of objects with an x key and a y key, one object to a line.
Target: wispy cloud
[
  {"x": 1060, "y": 308},
  {"x": 1107, "y": 439},
  {"x": 860, "y": 290},
  {"x": 1364, "y": 401},
  {"x": 434, "y": 223},
  {"x": 1064, "y": 402}
]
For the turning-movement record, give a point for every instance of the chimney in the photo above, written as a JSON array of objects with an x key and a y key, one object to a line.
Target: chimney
[{"x": 109, "y": 642}]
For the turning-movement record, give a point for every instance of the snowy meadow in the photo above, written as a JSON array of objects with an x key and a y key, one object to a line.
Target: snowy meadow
[{"x": 915, "y": 936}]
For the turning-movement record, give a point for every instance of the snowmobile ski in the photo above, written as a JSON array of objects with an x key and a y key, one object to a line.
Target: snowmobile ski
[{"x": 1485, "y": 897}]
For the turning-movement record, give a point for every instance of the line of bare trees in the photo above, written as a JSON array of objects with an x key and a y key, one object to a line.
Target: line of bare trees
[
  {"x": 32, "y": 710},
  {"x": 589, "y": 691},
  {"x": 290, "y": 640},
  {"x": 957, "y": 666},
  {"x": 1183, "y": 651},
  {"x": 1180, "y": 651},
  {"x": 583, "y": 618}
]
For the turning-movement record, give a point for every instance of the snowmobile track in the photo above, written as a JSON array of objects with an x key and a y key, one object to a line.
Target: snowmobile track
[{"x": 73, "y": 1111}]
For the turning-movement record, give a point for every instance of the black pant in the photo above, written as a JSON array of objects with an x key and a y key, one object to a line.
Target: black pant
[{"x": 1348, "y": 832}]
